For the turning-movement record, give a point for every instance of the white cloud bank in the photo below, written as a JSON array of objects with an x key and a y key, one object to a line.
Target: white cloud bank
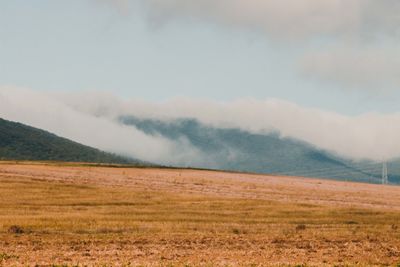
[
  {"x": 90, "y": 118},
  {"x": 44, "y": 111},
  {"x": 370, "y": 136}
]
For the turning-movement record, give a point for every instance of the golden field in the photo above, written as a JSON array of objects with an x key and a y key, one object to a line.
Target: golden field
[{"x": 86, "y": 215}]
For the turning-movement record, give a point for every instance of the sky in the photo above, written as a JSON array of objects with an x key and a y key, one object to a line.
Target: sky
[
  {"x": 220, "y": 50},
  {"x": 324, "y": 71}
]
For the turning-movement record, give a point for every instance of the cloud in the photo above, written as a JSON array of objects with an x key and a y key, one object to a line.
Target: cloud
[
  {"x": 91, "y": 118},
  {"x": 363, "y": 29},
  {"x": 373, "y": 68},
  {"x": 368, "y": 136},
  {"x": 286, "y": 18},
  {"x": 43, "y": 110}
]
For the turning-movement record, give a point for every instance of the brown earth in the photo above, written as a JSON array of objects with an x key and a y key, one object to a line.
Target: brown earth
[{"x": 95, "y": 215}]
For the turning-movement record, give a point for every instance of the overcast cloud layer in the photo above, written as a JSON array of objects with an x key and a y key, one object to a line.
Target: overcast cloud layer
[
  {"x": 91, "y": 118},
  {"x": 290, "y": 18},
  {"x": 352, "y": 43}
]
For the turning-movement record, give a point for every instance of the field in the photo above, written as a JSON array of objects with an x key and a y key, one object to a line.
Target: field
[{"x": 55, "y": 214}]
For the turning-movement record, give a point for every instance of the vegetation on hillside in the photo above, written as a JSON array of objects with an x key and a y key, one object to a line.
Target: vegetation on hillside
[
  {"x": 240, "y": 150},
  {"x": 22, "y": 142}
]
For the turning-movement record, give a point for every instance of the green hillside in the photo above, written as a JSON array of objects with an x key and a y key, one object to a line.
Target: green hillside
[
  {"x": 22, "y": 142},
  {"x": 239, "y": 150}
]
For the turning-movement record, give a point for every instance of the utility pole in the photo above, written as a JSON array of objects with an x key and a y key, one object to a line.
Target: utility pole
[{"x": 385, "y": 179}]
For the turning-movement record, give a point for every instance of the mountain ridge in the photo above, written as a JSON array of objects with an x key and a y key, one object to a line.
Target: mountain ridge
[
  {"x": 225, "y": 149},
  {"x": 235, "y": 149}
]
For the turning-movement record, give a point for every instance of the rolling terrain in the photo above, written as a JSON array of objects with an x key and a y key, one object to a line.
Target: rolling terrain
[
  {"x": 227, "y": 149},
  {"x": 22, "y": 142},
  {"x": 57, "y": 214},
  {"x": 239, "y": 150}
]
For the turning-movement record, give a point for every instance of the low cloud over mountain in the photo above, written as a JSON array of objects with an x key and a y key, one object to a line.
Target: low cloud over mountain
[{"x": 92, "y": 118}]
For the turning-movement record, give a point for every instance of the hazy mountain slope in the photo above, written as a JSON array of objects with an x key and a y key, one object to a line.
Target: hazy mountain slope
[
  {"x": 22, "y": 142},
  {"x": 234, "y": 149}
]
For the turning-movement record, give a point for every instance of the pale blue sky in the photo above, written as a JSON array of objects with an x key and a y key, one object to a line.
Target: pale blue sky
[{"x": 87, "y": 44}]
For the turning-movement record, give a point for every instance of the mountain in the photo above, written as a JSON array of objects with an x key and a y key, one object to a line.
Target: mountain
[
  {"x": 218, "y": 148},
  {"x": 239, "y": 150},
  {"x": 22, "y": 142}
]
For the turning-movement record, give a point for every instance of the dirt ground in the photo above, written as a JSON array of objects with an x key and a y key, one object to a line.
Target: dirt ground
[{"x": 60, "y": 214}]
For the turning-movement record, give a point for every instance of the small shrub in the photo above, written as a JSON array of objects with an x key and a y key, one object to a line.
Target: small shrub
[
  {"x": 351, "y": 222},
  {"x": 301, "y": 227},
  {"x": 15, "y": 229},
  {"x": 4, "y": 256}
]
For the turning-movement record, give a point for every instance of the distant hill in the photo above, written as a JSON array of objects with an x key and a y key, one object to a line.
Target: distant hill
[
  {"x": 238, "y": 150},
  {"x": 219, "y": 148},
  {"x": 22, "y": 142}
]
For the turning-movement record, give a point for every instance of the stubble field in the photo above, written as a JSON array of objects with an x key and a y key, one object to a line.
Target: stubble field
[{"x": 66, "y": 214}]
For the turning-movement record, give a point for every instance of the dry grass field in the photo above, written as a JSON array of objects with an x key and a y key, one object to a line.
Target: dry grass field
[{"x": 67, "y": 215}]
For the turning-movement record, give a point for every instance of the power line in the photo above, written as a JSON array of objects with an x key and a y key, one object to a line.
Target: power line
[
  {"x": 366, "y": 171},
  {"x": 370, "y": 171},
  {"x": 359, "y": 167}
]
